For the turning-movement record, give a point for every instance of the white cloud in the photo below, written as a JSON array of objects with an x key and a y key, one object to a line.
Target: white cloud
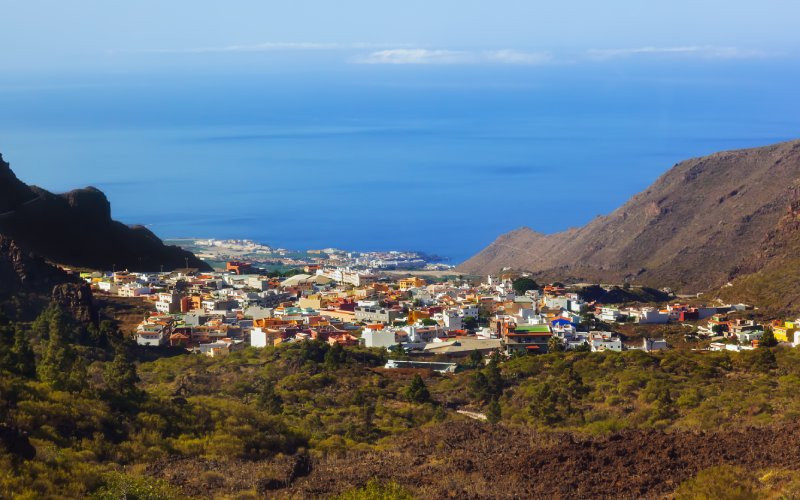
[
  {"x": 442, "y": 56},
  {"x": 705, "y": 51},
  {"x": 414, "y": 56},
  {"x": 517, "y": 57},
  {"x": 277, "y": 46}
]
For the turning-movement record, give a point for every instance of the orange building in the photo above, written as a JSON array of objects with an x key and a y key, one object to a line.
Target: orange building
[
  {"x": 239, "y": 267},
  {"x": 415, "y": 315}
]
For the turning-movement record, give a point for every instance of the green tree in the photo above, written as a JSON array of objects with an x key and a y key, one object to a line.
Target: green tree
[
  {"x": 557, "y": 398},
  {"x": 768, "y": 339},
  {"x": 554, "y": 344},
  {"x": 417, "y": 391},
  {"x": 585, "y": 347},
  {"x": 493, "y": 414},
  {"x": 475, "y": 359},
  {"x": 470, "y": 323},
  {"x": 56, "y": 365},
  {"x": 121, "y": 378},
  {"x": 335, "y": 356},
  {"x": 268, "y": 400},
  {"x": 719, "y": 329},
  {"x": 479, "y": 386},
  {"x": 24, "y": 360},
  {"x": 7, "y": 358},
  {"x": 493, "y": 376},
  {"x": 522, "y": 285}
]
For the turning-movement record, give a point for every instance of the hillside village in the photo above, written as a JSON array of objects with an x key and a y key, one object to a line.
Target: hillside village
[{"x": 424, "y": 324}]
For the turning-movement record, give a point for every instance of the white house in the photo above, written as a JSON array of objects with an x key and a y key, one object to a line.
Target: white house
[
  {"x": 654, "y": 344},
  {"x": 651, "y": 315},
  {"x": 152, "y": 335},
  {"x": 108, "y": 287},
  {"x": 469, "y": 311},
  {"x": 609, "y": 314},
  {"x": 168, "y": 303},
  {"x": 748, "y": 337},
  {"x": 378, "y": 338},
  {"x": 452, "y": 320},
  {"x": 133, "y": 290},
  {"x": 605, "y": 342},
  {"x": 258, "y": 338}
]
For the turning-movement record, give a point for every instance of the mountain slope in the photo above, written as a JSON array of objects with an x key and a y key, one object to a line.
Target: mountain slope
[
  {"x": 770, "y": 276},
  {"x": 691, "y": 230},
  {"x": 76, "y": 229},
  {"x": 21, "y": 271}
]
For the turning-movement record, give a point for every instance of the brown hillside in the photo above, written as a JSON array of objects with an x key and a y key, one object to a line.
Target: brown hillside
[
  {"x": 691, "y": 230},
  {"x": 770, "y": 276}
]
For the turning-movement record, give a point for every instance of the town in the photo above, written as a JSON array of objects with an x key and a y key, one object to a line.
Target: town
[
  {"x": 265, "y": 256},
  {"x": 433, "y": 323}
]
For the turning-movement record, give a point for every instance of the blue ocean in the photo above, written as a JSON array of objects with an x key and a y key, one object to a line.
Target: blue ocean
[{"x": 439, "y": 159}]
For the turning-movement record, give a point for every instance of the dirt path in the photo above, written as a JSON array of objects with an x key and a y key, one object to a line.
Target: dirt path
[{"x": 473, "y": 415}]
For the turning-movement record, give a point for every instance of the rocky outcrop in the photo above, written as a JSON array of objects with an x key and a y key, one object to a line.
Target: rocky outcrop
[
  {"x": 691, "y": 230},
  {"x": 76, "y": 229},
  {"x": 76, "y": 299},
  {"x": 22, "y": 271},
  {"x": 13, "y": 192}
]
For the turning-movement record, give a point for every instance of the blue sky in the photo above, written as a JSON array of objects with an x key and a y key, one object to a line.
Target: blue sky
[{"x": 105, "y": 35}]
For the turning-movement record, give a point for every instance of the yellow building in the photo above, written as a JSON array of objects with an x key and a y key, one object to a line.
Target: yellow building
[
  {"x": 785, "y": 332},
  {"x": 312, "y": 302},
  {"x": 408, "y": 283}
]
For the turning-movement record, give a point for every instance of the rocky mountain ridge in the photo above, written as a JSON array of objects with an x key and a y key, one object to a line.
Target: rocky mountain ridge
[
  {"x": 694, "y": 228},
  {"x": 76, "y": 229}
]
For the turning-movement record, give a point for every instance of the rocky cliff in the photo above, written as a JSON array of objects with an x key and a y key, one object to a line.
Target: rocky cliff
[
  {"x": 21, "y": 271},
  {"x": 699, "y": 225},
  {"x": 76, "y": 229}
]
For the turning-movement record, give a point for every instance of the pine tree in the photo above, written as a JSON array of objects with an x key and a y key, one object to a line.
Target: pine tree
[
  {"x": 417, "y": 391},
  {"x": 121, "y": 377},
  {"x": 493, "y": 414},
  {"x": 7, "y": 360},
  {"x": 475, "y": 359},
  {"x": 268, "y": 400},
  {"x": 335, "y": 356},
  {"x": 480, "y": 387},
  {"x": 24, "y": 362},
  {"x": 56, "y": 364},
  {"x": 768, "y": 339},
  {"x": 494, "y": 377}
]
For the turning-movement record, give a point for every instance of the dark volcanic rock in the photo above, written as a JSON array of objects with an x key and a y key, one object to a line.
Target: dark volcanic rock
[
  {"x": 13, "y": 192},
  {"x": 22, "y": 271},
  {"x": 76, "y": 229},
  {"x": 76, "y": 298}
]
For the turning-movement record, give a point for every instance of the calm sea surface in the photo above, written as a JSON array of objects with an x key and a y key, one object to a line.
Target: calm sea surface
[{"x": 439, "y": 160}]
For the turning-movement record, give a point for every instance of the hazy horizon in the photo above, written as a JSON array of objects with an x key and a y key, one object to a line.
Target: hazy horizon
[{"x": 414, "y": 126}]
